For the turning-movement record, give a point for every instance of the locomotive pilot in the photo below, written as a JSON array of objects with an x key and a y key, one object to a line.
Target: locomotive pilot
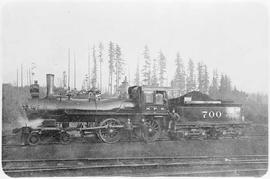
[{"x": 173, "y": 118}]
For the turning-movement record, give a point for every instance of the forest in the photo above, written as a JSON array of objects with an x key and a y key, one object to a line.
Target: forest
[{"x": 187, "y": 77}]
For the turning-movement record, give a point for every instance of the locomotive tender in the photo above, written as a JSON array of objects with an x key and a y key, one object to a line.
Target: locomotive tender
[
  {"x": 207, "y": 118},
  {"x": 146, "y": 108}
]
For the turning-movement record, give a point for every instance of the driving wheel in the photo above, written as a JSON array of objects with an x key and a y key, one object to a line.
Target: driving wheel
[
  {"x": 151, "y": 131},
  {"x": 111, "y": 133}
]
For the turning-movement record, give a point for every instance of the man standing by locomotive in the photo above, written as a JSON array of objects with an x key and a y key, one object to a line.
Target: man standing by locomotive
[
  {"x": 173, "y": 118},
  {"x": 129, "y": 128}
]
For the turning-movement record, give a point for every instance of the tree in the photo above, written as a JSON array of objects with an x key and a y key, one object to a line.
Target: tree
[
  {"x": 222, "y": 87},
  {"x": 213, "y": 89},
  {"x": 94, "y": 76},
  {"x": 179, "y": 80},
  {"x": 200, "y": 76},
  {"x": 205, "y": 80},
  {"x": 162, "y": 68},
  {"x": 146, "y": 71},
  {"x": 225, "y": 87},
  {"x": 137, "y": 75},
  {"x": 119, "y": 65},
  {"x": 191, "y": 83},
  {"x": 154, "y": 81},
  {"x": 111, "y": 66},
  {"x": 100, "y": 56}
]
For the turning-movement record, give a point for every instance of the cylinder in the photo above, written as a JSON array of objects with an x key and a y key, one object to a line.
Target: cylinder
[{"x": 50, "y": 85}]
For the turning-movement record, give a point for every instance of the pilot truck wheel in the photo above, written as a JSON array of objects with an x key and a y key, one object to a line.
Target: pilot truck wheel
[
  {"x": 64, "y": 138},
  {"x": 110, "y": 133},
  {"x": 33, "y": 138}
]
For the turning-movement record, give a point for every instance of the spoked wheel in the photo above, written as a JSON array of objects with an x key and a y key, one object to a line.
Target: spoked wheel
[
  {"x": 213, "y": 134},
  {"x": 176, "y": 136},
  {"x": 172, "y": 135},
  {"x": 151, "y": 131},
  {"x": 64, "y": 138},
  {"x": 33, "y": 138},
  {"x": 111, "y": 133},
  {"x": 238, "y": 134}
]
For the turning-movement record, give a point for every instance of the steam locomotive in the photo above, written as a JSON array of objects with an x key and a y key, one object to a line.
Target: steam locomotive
[{"x": 144, "y": 108}]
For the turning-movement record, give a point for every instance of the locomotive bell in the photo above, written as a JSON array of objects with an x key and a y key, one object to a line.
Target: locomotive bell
[{"x": 50, "y": 85}]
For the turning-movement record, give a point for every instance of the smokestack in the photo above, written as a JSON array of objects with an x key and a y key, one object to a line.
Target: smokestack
[{"x": 50, "y": 84}]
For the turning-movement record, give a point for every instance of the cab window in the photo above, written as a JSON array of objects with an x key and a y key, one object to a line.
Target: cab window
[
  {"x": 159, "y": 98},
  {"x": 149, "y": 97}
]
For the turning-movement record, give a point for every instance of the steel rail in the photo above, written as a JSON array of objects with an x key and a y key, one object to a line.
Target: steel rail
[
  {"x": 209, "y": 172},
  {"x": 142, "y": 158},
  {"x": 44, "y": 169},
  {"x": 144, "y": 163}
]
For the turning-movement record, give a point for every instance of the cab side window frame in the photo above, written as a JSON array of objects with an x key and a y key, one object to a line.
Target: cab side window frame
[{"x": 149, "y": 97}]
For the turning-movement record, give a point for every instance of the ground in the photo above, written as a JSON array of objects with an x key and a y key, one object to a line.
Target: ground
[
  {"x": 90, "y": 148},
  {"x": 256, "y": 145}
]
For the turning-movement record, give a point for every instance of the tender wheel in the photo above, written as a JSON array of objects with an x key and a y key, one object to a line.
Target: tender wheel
[
  {"x": 151, "y": 131},
  {"x": 65, "y": 125},
  {"x": 64, "y": 138},
  {"x": 239, "y": 133},
  {"x": 176, "y": 136},
  {"x": 33, "y": 138},
  {"x": 110, "y": 134},
  {"x": 213, "y": 134},
  {"x": 203, "y": 135},
  {"x": 172, "y": 135}
]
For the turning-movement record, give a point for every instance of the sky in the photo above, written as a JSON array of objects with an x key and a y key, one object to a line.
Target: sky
[{"x": 230, "y": 36}]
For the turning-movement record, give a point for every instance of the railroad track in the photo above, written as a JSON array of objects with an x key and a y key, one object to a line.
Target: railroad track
[
  {"x": 207, "y": 173},
  {"x": 135, "y": 165},
  {"x": 136, "y": 140}
]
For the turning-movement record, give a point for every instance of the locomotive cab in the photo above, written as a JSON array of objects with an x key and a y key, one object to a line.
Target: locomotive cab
[
  {"x": 152, "y": 105},
  {"x": 154, "y": 100},
  {"x": 149, "y": 99}
]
